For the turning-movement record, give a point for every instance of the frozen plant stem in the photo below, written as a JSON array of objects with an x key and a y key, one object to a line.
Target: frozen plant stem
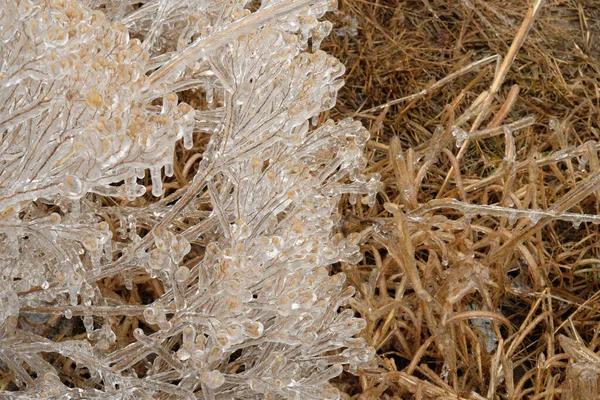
[{"x": 242, "y": 305}]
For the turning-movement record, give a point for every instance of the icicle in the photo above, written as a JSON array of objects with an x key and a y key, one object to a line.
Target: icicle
[
  {"x": 76, "y": 207},
  {"x": 584, "y": 159},
  {"x": 188, "y": 141},
  {"x": 88, "y": 323},
  {"x": 209, "y": 93},
  {"x": 131, "y": 226},
  {"x": 128, "y": 280},
  {"x": 140, "y": 173},
  {"x": 157, "y": 188},
  {"x": 132, "y": 189},
  {"x": 122, "y": 226},
  {"x": 169, "y": 170}
]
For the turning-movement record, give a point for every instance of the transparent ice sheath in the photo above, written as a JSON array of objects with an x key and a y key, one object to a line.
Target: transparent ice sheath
[{"x": 91, "y": 118}]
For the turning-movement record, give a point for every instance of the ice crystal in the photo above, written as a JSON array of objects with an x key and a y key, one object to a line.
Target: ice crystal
[{"x": 90, "y": 110}]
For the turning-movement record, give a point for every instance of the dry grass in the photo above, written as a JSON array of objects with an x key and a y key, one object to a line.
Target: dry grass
[{"x": 437, "y": 254}]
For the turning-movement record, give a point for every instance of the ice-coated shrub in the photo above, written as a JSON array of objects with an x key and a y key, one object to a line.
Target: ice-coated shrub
[{"x": 90, "y": 105}]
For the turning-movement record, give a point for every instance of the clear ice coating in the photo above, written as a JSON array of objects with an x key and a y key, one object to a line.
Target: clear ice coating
[{"x": 90, "y": 107}]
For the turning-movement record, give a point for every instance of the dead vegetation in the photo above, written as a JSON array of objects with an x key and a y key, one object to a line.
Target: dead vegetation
[{"x": 481, "y": 268}]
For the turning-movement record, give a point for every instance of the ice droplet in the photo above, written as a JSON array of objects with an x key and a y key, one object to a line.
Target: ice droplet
[
  {"x": 534, "y": 218},
  {"x": 213, "y": 379},
  {"x": 583, "y": 163},
  {"x": 460, "y": 134},
  {"x": 182, "y": 274},
  {"x": 512, "y": 217},
  {"x": 72, "y": 187},
  {"x": 353, "y": 198}
]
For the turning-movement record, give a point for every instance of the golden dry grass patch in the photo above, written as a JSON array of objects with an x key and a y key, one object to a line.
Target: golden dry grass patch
[{"x": 480, "y": 274}]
